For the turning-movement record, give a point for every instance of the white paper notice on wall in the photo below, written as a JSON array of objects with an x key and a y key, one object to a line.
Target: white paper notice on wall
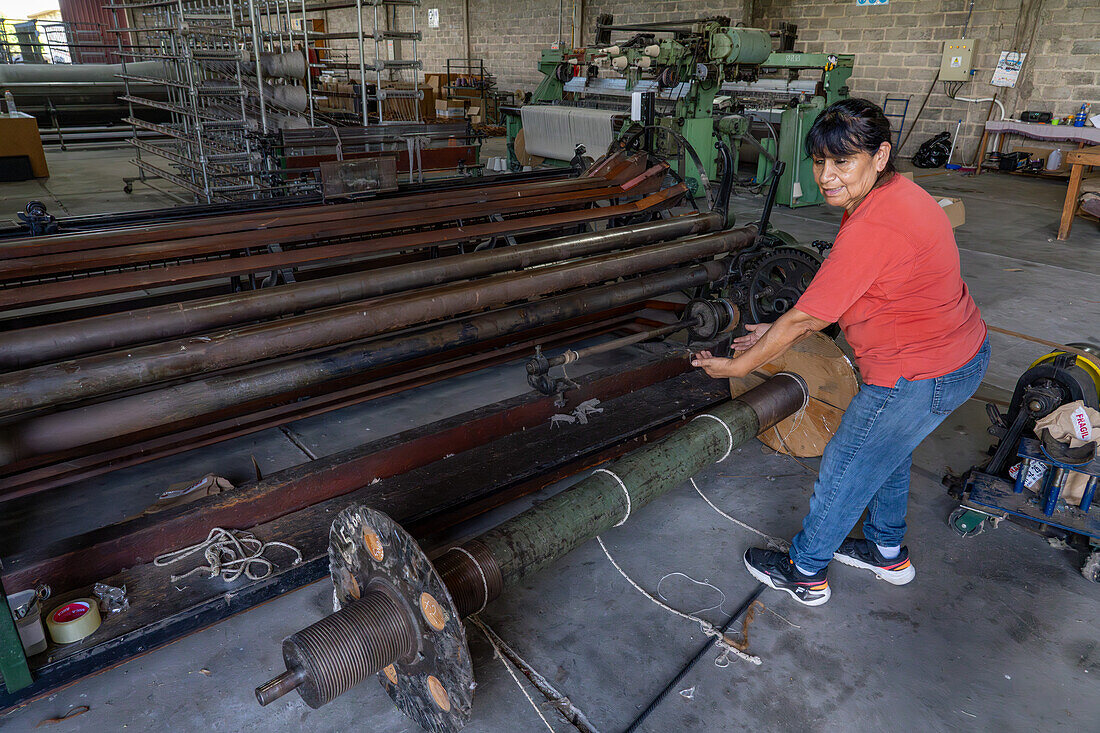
[
  {"x": 1008, "y": 69},
  {"x": 872, "y": 2},
  {"x": 433, "y": 17}
]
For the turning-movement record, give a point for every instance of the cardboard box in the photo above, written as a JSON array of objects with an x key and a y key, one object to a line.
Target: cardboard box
[
  {"x": 450, "y": 109},
  {"x": 956, "y": 212},
  {"x": 19, "y": 137},
  {"x": 474, "y": 113},
  {"x": 435, "y": 81}
]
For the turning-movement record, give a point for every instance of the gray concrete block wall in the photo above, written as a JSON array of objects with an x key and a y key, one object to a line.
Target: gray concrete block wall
[
  {"x": 898, "y": 48},
  {"x": 509, "y": 36}
]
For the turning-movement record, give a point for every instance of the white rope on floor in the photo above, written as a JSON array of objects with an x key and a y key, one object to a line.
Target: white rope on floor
[
  {"x": 776, "y": 542},
  {"x": 707, "y": 627},
  {"x": 515, "y": 678},
  {"x": 229, "y": 553}
]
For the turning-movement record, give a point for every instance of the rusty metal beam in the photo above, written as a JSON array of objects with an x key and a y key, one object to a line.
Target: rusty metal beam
[
  {"x": 88, "y": 377},
  {"x": 93, "y": 556},
  {"x": 500, "y": 471},
  {"x": 120, "y": 282},
  {"x": 621, "y": 171},
  {"x": 44, "y": 473},
  {"x": 37, "y": 345},
  {"x": 64, "y": 430},
  {"x": 313, "y": 232}
]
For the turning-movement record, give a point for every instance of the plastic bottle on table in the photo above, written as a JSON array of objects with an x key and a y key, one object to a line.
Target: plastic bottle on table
[{"x": 1081, "y": 116}]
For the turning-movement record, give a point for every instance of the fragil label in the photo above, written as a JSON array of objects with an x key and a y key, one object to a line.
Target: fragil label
[{"x": 1082, "y": 426}]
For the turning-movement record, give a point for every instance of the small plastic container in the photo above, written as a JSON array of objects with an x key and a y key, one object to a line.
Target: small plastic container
[
  {"x": 1081, "y": 116},
  {"x": 31, "y": 632},
  {"x": 1054, "y": 160}
]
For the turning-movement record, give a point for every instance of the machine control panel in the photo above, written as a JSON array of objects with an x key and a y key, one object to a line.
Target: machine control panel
[{"x": 957, "y": 63}]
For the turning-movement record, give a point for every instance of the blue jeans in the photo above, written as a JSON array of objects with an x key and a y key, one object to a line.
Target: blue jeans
[{"x": 866, "y": 464}]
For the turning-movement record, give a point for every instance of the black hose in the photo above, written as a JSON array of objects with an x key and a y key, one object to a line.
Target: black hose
[{"x": 698, "y": 655}]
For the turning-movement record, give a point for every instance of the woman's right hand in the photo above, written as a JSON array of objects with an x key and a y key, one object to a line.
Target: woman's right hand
[{"x": 755, "y": 332}]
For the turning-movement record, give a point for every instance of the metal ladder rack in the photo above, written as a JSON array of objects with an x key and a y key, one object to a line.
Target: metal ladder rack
[
  {"x": 903, "y": 103},
  {"x": 232, "y": 74}
]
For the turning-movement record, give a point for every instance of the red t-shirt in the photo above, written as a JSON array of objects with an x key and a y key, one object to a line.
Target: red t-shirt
[{"x": 892, "y": 282}]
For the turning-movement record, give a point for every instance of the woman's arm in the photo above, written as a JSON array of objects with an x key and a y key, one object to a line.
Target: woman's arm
[{"x": 791, "y": 326}]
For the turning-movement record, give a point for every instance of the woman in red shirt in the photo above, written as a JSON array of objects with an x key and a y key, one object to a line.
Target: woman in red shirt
[{"x": 892, "y": 283}]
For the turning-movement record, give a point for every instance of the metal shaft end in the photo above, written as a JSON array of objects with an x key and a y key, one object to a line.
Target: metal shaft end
[{"x": 272, "y": 690}]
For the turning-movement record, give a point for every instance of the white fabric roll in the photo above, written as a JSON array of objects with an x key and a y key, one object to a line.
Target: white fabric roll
[{"x": 554, "y": 132}]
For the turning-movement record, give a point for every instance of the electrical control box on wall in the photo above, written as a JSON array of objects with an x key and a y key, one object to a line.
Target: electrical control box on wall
[{"x": 958, "y": 59}]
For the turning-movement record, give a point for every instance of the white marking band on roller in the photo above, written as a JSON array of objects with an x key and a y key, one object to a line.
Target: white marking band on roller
[
  {"x": 622, "y": 486},
  {"x": 484, "y": 580},
  {"x": 728, "y": 432}
]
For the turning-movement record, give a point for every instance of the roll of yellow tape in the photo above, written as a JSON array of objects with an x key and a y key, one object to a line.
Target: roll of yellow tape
[{"x": 74, "y": 620}]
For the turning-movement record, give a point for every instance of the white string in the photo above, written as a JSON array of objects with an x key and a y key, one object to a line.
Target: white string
[
  {"x": 499, "y": 655},
  {"x": 228, "y": 553},
  {"x": 704, "y": 583},
  {"x": 484, "y": 580},
  {"x": 708, "y": 628},
  {"x": 723, "y": 424},
  {"x": 776, "y": 542},
  {"x": 619, "y": 481},
  {"x": 794, "y": 426}
]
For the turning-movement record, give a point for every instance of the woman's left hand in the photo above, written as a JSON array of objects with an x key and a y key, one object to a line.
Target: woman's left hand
[{"x": 716, "y": 366}]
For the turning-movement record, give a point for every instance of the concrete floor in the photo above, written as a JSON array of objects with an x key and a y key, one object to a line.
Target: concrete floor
[{"x": 997, "y": 632}]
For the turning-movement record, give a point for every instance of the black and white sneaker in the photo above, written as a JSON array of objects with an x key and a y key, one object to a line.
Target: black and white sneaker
[
  {"x": 864, "y": 554},
  {"x": 776, "y": 570}
]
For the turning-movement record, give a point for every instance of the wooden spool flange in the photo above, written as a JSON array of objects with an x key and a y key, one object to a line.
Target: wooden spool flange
[{"x": 832, "y": 382}]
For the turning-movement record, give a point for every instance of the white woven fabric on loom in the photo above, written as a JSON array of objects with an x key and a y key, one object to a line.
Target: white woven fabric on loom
[{"x": 554, "y": 132}]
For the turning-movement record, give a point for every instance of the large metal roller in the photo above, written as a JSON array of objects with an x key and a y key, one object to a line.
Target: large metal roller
[
  {"x": 40, "y": 344},
  {"x": 399, "y": 615},
  {"x": 69, "y": 429},
  {"x": 93, "y": 376}
]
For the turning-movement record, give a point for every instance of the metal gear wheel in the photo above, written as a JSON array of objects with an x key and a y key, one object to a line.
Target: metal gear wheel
[{"x": 777, "y": 281}]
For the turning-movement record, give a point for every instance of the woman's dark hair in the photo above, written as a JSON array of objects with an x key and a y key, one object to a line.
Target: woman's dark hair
[{"x": 851, "y": 126}]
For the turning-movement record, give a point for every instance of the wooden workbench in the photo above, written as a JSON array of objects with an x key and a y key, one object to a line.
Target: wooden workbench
[
  {"x": 1078, "y": 160},
  {"x": 1036, "y": 131}
]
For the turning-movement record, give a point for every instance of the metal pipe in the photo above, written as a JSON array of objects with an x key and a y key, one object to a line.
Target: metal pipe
[
  {"x": 275, "y": 688},
  {"x": 478, "y": 572},
  {"x": 88, "y": 377},
  {"x": 362, "y": 62},
  {"x": 571, "y": 355},
  {"x": 41, "y": 344},
  {"x": 64, "y": 430}
]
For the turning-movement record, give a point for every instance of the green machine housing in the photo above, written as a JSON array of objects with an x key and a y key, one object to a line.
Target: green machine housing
[
  {"x": 694, "y": 68},
  {"x": 796, "y": 185}
]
